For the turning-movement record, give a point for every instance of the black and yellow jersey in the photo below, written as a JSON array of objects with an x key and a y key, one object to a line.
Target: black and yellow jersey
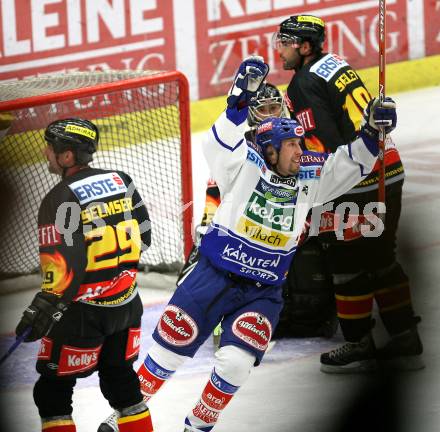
[
  {"x": 328, "y": 97},
  {"x": 92, "y": 227}
]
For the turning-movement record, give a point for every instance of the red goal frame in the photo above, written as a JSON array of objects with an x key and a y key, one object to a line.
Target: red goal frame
[{"x": 131, "y": 83}]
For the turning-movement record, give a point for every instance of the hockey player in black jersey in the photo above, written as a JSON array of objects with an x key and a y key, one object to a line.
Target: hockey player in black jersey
[
  {"x": 92, "y": 227},
  {"x": 328, "y": 97}
]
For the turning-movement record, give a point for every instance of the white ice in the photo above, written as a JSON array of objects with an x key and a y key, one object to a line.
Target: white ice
[{"x": 291, "y": 394}]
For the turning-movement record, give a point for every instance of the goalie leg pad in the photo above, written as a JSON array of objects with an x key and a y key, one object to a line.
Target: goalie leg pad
[{"x": 309, "y": 302}]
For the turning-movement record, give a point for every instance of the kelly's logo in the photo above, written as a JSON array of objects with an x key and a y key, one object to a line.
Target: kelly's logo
[{"x": 74, "y": 360}]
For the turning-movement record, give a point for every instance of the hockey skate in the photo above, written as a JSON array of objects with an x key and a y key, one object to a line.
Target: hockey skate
[
  {"x": 352, "y": 357},
  {"x": 110, "y": 424},
  {"x": 403, "y": 352}
]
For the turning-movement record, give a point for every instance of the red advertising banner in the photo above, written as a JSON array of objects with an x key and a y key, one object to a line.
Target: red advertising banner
[
  {"x": 432, "y": 26},
  {"x": 206, "y": 39},
  {"x": 56, "y": 36},
  {"x": 229, "y": 30}
]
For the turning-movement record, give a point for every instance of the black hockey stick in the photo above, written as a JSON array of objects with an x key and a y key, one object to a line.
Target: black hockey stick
[{"x": 17, "y": 342}]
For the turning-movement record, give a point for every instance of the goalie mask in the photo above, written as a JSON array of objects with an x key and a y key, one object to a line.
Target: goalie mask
[
  {"x": 268, "y": 103},
  {"x": 75, "y": 134}
]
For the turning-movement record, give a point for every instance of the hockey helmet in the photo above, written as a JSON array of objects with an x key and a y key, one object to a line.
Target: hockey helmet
[
  {"x": 268, "y": 97},
  {"x": 75, "y": 134},
  {"x": 298, "y": 28},
  {"x": 274, "y": 130}
]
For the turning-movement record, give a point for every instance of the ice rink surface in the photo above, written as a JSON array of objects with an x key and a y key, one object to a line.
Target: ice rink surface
[{"x": 287, "y": 392}]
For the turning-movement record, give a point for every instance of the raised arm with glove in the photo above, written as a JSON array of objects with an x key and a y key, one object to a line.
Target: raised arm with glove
[{"x": 247, "y": 81}]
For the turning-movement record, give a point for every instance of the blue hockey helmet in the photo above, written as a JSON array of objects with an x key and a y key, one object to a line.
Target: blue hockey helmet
[{"x": 274, "y": 130}]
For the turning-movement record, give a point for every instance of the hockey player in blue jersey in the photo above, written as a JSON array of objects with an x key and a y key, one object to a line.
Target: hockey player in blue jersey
[{"x": 267, "y": 189}]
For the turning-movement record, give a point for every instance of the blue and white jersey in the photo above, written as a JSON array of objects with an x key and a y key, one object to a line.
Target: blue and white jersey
[{"x": 256, "y": 229}]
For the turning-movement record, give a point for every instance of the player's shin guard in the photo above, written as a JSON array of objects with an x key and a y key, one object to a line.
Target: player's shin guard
[
  {"x": 159, "y": 365},
  {"x": 354, "y": 304},
  {"x": 232, "y": 367},
  {"x": 58, "y": 424},
  {"x": 393, "y": 298}
]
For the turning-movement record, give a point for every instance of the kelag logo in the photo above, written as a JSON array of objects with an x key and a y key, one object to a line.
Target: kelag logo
[{"x": 261, "y": 211}]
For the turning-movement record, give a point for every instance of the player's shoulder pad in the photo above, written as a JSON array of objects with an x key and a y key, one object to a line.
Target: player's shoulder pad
[
  {"x": 60, "y": 194},
  {"x": 327, "y": 66},
  {"x": 310, "y": 158},
  {"x": 127, "y": 179}
]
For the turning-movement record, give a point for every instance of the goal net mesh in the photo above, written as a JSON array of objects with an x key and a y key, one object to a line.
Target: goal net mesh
[{"x": 140, "y": 121}]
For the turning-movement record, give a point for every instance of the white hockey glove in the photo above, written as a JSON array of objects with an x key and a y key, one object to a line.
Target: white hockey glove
[
  {"x": 377, "y": 116},
  {"x": 247, "y": 81}
]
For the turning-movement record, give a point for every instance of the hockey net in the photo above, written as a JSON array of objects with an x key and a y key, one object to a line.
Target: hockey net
[{"x": 143, "y": 118}]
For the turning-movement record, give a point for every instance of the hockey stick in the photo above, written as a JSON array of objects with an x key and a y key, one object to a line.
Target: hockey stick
[
  {"x": 382, "y": 64},
  {"x": 17, "y": 342}
]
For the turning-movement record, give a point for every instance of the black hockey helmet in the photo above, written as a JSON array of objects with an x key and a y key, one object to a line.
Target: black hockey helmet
[
  {"x": 75, "y": 134},
  {"x": 267, "y": 95},
  {"x": 302, "y": 28}
]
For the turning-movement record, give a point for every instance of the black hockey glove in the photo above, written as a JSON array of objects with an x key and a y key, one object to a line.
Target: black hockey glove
[
  {"x": 44, "y": 311},
  {"x": 377, "y": 116}
]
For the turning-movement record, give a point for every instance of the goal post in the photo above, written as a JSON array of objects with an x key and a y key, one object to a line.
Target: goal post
[{"x": 143, "y": 118}]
